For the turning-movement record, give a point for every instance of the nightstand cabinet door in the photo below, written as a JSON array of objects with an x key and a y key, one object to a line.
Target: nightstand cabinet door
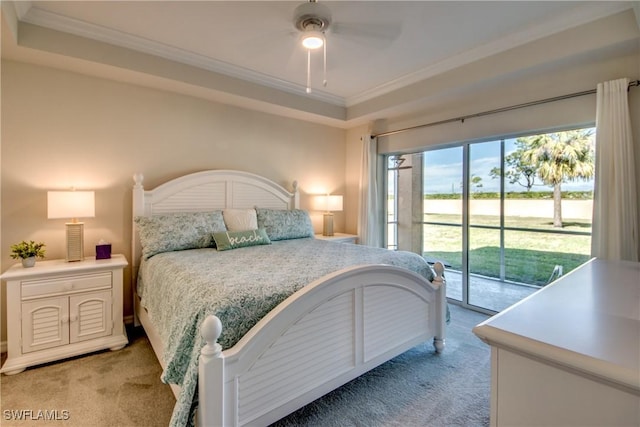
[
  {"x": 59, "y": 309},
  {"x": 45, "y": 323},
  {"x": 90, "y": 316}
]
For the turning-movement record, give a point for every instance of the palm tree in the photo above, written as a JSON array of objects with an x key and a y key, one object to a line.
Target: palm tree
[
  {"x": 560, "y": 157},
  {"x": 517, "y": 171}
]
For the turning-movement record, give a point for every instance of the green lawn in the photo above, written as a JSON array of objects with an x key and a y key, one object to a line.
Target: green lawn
[{"x": 530, "y": 256}]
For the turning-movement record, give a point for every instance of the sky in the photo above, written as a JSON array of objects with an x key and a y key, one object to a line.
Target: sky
[{"x": 443, "y": 170}]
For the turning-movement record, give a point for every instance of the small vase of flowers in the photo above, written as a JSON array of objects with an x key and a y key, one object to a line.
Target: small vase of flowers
[{"x": 27, "y": 252}]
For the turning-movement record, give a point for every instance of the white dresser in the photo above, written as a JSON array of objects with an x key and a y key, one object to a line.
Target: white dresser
[
  {"x": 569, "y": 355},
  {"x": 60, "y": 309}
]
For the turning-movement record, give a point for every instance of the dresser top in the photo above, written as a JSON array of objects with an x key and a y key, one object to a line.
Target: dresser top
[{"x": 588, "y": 320}]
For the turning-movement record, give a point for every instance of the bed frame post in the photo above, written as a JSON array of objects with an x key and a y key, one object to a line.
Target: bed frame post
[
  {"x": 441, "y": 307},
  {"x": 211, "y": 376}
]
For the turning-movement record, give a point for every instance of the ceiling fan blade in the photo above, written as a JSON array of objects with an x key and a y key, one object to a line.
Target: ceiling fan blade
[
  {"x": 266, "y": 41},
  {"x": 382, "y": 33}
]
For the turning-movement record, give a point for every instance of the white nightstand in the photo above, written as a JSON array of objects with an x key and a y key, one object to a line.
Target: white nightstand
[
  {"x": 340, "y": 237},
  {"x": 60, "y": 309}
]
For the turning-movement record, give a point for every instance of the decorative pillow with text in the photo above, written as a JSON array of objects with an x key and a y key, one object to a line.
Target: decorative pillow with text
[{"x": 239, "y": 239}]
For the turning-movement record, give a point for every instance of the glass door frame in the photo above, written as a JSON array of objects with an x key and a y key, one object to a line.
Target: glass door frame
[{"x": 465, "y": 225}]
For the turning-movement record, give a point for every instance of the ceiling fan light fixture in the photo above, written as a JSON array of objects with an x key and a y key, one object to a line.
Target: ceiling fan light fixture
[
  {"x": 312, "y": 39},
  {"x": 312, "y": 20}
]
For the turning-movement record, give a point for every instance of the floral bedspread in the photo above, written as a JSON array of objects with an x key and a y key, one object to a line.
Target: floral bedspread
[{"x": 179, "y": 289}]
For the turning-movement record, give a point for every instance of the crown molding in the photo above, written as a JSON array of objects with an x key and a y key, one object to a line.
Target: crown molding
[
  {"x": 21, "y": 8},
  {"x": 35, "y": 16}
]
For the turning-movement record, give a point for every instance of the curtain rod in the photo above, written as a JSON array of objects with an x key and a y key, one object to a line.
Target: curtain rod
[{"x": 498, "y": 110}]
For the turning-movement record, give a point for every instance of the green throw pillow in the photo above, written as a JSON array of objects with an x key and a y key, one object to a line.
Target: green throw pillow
[
  {"x": 179, "y": 231},
  {"x": 240, "y": 239},
  {"x": 285, "y": 224}
]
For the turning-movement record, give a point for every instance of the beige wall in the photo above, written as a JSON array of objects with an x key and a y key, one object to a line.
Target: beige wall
[{"x": 61, "y": 129}]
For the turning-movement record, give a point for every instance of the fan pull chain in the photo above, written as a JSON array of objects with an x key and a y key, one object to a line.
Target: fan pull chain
[
  {"x": 308, "y": 70},
  {"x": 324, "y": 81}
]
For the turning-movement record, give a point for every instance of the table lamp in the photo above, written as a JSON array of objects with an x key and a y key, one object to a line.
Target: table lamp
[
  {"x": 329, "y": 204},
  {"x": 72, "y": 205}
]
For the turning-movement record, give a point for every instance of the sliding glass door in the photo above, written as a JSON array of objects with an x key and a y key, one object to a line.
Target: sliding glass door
[
  {"x": 442, "y": 222},
  {"x": 506, "y": 217},
  {"x": 485, "y": 227}
]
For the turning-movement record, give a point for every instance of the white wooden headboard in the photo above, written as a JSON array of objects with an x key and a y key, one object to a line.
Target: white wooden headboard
[{"x": 207, "y": 191}]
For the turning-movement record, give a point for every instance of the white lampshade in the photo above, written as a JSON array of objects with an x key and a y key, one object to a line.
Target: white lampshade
[
  {"x": 334, "y": 203},
  {"x": 327, "y": 203},
  {"x": 70, "y": 204}
]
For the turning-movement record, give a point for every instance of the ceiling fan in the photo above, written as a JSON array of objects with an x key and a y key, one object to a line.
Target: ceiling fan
[{"x": 313, "y": 19}]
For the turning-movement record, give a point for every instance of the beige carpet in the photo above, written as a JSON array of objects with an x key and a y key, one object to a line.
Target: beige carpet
[
  {"x": 123, "y": 388},
  {"x": 120, "y": 388},
  {"x": 419, "y": 388}
]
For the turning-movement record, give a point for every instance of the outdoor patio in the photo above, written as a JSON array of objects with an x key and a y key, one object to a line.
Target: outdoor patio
[{"x": 486, "y": 292}]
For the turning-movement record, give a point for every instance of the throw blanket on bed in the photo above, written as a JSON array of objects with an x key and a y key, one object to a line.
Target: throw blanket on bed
[{"x": 240, "y": 286}]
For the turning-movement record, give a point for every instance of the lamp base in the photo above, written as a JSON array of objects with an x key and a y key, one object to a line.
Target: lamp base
[
  {"x": 327, "y": 224},
  {"x": 75, "y": 241}
]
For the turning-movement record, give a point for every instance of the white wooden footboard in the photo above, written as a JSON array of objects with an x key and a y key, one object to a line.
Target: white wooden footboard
[{"x": 323, "y": 336}]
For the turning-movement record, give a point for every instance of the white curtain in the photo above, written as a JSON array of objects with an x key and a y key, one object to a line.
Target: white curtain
[
  {"x": 615, "y": 211},
  {"x": 369, "y": 226}
]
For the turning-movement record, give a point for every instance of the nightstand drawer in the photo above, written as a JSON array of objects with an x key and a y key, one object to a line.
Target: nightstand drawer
[
  {"x": 58, "y": 285},
  {"x": 339, "y": 238}
]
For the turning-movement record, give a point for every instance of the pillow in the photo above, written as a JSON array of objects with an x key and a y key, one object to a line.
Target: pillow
[
  {"x": 285, "y": 224},
  {"x": 240, "y": 219},
  {"x": 175, "y": 232},
  {"x": 240, "y": 239}
]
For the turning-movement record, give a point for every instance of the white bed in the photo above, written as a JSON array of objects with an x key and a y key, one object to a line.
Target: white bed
[{"x": 385, "y": 310}]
